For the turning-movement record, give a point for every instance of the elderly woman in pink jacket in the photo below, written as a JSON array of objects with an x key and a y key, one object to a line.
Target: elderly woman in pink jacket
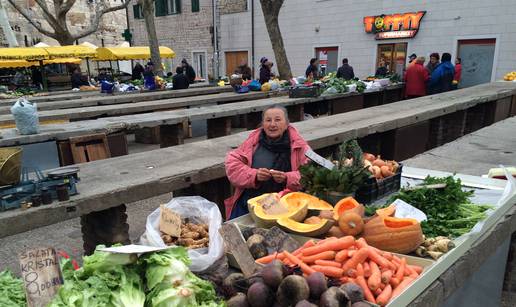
[{"x": 266, "y": 162}]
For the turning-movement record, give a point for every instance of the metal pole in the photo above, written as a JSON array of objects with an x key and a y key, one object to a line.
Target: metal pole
[
  {"x": 43, "y": 75},
  {"x": 215, "y": 42},
  {"x": 252, "y": 38},
  {"x": 88, "y": 68}
]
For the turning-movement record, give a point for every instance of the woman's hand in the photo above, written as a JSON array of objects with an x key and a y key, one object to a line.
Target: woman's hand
[
  {"x": 278, "y": 176},
  {"x": 263, "y": 174}
]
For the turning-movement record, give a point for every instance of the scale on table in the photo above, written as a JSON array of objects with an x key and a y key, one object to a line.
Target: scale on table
[{"x": 17, "y": 187}]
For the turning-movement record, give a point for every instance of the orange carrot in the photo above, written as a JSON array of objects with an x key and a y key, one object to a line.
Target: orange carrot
[
  {"x": 376, "y": 277},
  {"x": 394, "y": 282},
  {"x": 382, "y": 285},
  {"x": 307, "y": 244},
  {"x": 401, "y": 269},
  {"x": 327, "y": 255},
  {"x": 377, "y": 292},
  {"x": 341, "y": 256},
  {"x": 416, "y": 268},
  {"x": 386, "y": 276},
  {"x": 351, "y": 273},
  {"x": 379, "y": 259},
  {"x": 328, "y": 263},
  {"x": 344, "y": 279},
  {"x": 269, "y": 258},
  {"x": 404, "y": 284},
  {"x": 410, "y": 272},
  {"x": 331, "y": 245},
  {"x": 351, "y": 252},
  {"x": 367, "y": 269},
  {"x": 385, "y": 296},
  {"x": 387, "y": 255},
  {"x": 304, "y": 267},
  {"x": 360, "y": 243},
  {"x": 329, "y": 270},
  {"x": 359, "y": 257},
  {"x": 367, "y": 292},
  {"x": 360, "y": 269}
]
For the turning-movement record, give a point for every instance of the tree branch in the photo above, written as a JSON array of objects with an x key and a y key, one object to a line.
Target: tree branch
[
  {"x": 65, "y": 8},
  {"x": 31, "y": 20},
  {"x": 48, "y": 16},
  {"x": 98, "y": 15}
]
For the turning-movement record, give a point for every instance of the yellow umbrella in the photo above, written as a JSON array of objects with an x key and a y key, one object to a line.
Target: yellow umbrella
[
  {"x": 73, "y": 51},
  {"x": 23, "y": 63},
  {"x": 31, "y": 54},
  {"x": 130, "y": 53}
]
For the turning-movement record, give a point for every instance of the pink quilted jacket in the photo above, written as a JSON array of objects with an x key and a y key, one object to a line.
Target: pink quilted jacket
[{"x": 243, "y": 176}]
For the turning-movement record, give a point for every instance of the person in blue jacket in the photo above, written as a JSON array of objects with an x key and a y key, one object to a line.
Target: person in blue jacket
[{"x": 441, "y": 79}]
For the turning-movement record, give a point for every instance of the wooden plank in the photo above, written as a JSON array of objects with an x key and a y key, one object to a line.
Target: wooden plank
[
  {"x": 65, "y": 153},
  {"x": 235, "y": 244},
  {"x": 117, "y": 143},
  {"x": 89, "y": 148},
  {"x": 171, "y": 135}
]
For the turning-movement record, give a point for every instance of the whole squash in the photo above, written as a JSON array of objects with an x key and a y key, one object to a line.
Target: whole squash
[{"x": 392, "y": 234}]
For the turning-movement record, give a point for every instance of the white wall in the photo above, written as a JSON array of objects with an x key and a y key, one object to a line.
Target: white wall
[{"x": 341, "y": 24}]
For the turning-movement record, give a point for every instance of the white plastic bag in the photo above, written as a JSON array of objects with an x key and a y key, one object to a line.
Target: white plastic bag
[
  {"x": 25, "y": 115},
  {"x": 199, "y": 210}
]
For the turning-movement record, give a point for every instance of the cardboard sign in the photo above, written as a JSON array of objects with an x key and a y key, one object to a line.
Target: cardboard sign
[
  {"x": 235, "y": 244},
  {"x": 312, "y": 155},
  {"x": 169, "y": 222},
  {"x": 271, "y": 205},
  {"x": 41, "y": 275}
]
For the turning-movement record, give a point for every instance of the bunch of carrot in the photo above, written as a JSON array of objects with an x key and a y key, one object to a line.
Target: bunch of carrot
[{"x": 381, "y": 275}]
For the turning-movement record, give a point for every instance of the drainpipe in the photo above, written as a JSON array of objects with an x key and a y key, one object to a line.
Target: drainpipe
[
  {"x": 215, "y": 42},
  {"x": 252, "y": 37}
]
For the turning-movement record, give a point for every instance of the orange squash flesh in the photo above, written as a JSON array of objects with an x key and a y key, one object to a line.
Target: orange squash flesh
[
  {"x": 348, "y": 204},
  {"x": 398, "y": 223},
  {"x": 388, "y": 211},
  {"x": 397, "y": 235}
]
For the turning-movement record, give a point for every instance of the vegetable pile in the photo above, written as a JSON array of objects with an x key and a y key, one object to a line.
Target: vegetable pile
[
  {"x": 378, "y": 275},
  {"x": 12, "y": 293},
  {"x": 121, "y": 280},
  {"x": 341, "y": 85},
  {"x": 192, "y": 236},
  {"x": 449, "y": 211},
  {"x": 435, "y": 247}
]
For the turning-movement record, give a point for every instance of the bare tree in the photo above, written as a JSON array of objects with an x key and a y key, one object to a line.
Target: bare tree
[
  {"x": 271, "y": 9},
  {"x": 57, "y": 20},
  {"x": 148, "y": 15}
]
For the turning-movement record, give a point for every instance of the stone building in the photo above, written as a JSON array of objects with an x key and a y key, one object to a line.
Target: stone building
[
  {"x": 109, "y": 32},
  {"x": 185, "y": 26}
]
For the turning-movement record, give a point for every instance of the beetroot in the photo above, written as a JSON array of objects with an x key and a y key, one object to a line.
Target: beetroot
[
  {"x": 317, "y": 284},
  {"x": 292, "y": 290},
  {"x": 259, "y": 295}
]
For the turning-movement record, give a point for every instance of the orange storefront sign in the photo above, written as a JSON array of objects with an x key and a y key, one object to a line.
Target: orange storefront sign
[{"x": 394, "y": 25}]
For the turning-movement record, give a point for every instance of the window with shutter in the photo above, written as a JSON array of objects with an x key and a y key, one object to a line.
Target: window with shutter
[
  {"x": 161, "y": 7},
  {"x": 137, "y": 11},
  {"x": 195, "y": 6},
  {"x": 174, "y": 7}
]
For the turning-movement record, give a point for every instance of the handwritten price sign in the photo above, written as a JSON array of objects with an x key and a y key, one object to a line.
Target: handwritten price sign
[{"x": 41, "y": 275}]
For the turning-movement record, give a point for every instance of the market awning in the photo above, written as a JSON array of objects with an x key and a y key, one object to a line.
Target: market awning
[
  {"x": 130, "y": 53},
  {"x": 73, "y": 51},
  {"x": 23, "y": 63},
  {"x": 31, "y": 54}
]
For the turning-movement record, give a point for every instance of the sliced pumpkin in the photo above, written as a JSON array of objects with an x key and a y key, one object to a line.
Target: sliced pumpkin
[
  {"x": 387, "y": 211},
  {"x": 348, "y": 204},
  {"x": 267, "y": 208},
  {"x": 303, "y": 229},
  {"x": 314, "y": 203},
  {"x": 392, "y": 234}
]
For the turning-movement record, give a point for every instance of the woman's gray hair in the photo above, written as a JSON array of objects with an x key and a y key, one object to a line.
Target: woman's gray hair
[{"x": 282, "y": 108}]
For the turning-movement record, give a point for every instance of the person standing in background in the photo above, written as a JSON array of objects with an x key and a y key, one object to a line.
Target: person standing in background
[
  {"x": 244, "y": 70},
  {"x": 441, "y": 79},
  {"x": 381, "y": 71},
  {"x": 433, "y": 63},
  {"x": 188, "y": 71},
  {"x": 179, "y": 80},
  {"x": 345, "y": 71},
  {"x": 265, "y": 70},
  {"x": 416, "y": 77},
  {"x": 458, "y": 73},
  {"x": 312, "y": 70},
  {"x": 412, "y": 58},
  {"x": 137, "y": 72}
]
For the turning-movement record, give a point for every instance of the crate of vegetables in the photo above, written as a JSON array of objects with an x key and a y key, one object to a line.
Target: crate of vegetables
[
  {"x": 304, "y": 92},
  {"x": 385, "y": 179}
]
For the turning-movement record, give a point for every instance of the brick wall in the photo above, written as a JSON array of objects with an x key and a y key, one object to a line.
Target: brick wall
[
  {"x": 185, "y": 33},
  {"x": 232, "y": 6}
]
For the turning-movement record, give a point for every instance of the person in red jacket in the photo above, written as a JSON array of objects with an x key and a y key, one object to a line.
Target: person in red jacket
[
  {"x": 458, "y": 73},
  {"x": 415, "y": 78}
]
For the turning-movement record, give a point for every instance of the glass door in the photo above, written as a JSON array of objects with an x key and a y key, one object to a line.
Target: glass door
[
  {"x": 199, "y": 64},
  {"x": 394, "y": 56}
]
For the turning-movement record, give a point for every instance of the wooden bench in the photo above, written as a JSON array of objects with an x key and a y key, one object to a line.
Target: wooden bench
[{"x": 109, "y": 183}]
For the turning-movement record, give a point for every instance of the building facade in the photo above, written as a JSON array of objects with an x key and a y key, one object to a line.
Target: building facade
[
  {"x": 109, "y": 32},
  {"x": 481, "y": 33},
  {"x": 186, "y": 26}
]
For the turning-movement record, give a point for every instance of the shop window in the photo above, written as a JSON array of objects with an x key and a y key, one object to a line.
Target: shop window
[
  {"x": 173, "y": 7},
  {"x": 195, "y": 6},
  {"x": 137, "y": 11},
  {"x": 394, "y": 57},
  {"x": 160, "y": 8}
]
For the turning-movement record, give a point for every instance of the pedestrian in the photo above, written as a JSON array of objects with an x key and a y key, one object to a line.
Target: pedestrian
[
  {"x": 345, "y": 71},
  {"x": 312, "y": 70},
  {"x": 188, "y": 71},
  {"x": 149, "y": 82},
  {"x": 37, "y": 77},
  {"x": 137, "y": 72},
  {"x": 458, "y": 73},
  {"x": 77, "y": 79},
  {"x": 381, "y": 71},
  {"x": 180, "y": 80},
  {"x": 244, "y": 70},
  {"x": 416, "y": 77},
  {"x": 412, "y": 58},
  {"x": 265, "y": 70},
  {"x": 433, "y": 63},
  {"x": 441, "y": 79}
]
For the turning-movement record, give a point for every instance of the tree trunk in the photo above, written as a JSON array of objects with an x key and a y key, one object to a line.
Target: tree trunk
[
  {"x": 148, "y": 15},
  {"x": 271, "y": 10},
  {"x": 64, "y": 39}
]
